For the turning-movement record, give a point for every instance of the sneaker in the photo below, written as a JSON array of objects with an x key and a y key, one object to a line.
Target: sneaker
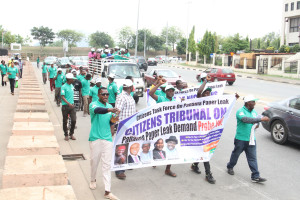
[
  {"x": 230, "y": 171},
  {"x": 72, "y": 137},
  {"x": 93, "y": 185},
  {"x": 210, "y": 178},
  {"x": 121, "y": 176},
  {"x": 111, "y": 196},
  {"x": 195, "y": 169},
  {"x": 66, "y": 138},
  {"x": 259, "y": 180}
]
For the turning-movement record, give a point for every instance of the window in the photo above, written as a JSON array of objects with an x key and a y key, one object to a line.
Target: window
[
  {"x": 286, "y": 7},
  {"x": 294, "y": 24},
  {"x": 295, "y": 103},
  {"x": 298, "y": 5},
  {"x": 292, "y": 6}
]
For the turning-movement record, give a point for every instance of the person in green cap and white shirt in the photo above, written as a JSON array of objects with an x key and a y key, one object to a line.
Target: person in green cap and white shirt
[
  {"x": 59, "y": 79},
  {"x": 246, "y": 118},
  {"x": 112, "y": 89},
  {"x": 44, "y": 72},
  {"x": 100, "y": 140},
  {"x": 93, "y": 96},
  {"x": 52, "y": 73},
  {"x": 13, "y": 73},
  {"x": 68, "y": 107},
  {"x": 159, "y": 99},
  {"x": 85, "y": 90},
  {"x": 3, "y": 69}
]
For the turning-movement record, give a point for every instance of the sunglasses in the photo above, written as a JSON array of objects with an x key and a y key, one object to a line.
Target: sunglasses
[{"x": 104, "y": 94}]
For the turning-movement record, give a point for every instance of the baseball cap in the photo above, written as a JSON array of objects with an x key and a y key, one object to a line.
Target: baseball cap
[
  {"x": 203, "y": 75},
  {"x": 73, "y": 70},
  {"x": 164, "y": 85},
  {"x": 93, "y": 49},
  {"x": 117, "y": 47},
  {"x": 111, "y": 75},
  {"x": 122, "y": 49},
  {"x": 168, "y": 87},
  {"x": 70, "y": 76},
  {"x": 106, "y": 45},
  {"x": 93, "y": 81},
  {"x": 59, "y": 69},
  {"x": 127, "y": 83},
  {"x": 250, "y": 98},
  {"x": 106, "y": 50},
  {"x": 98, "y": 80},
  {"x": 207, "y": 89},
  {"x": 16, "y": 61}
]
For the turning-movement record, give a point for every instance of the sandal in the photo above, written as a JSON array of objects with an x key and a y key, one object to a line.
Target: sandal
[{"x": 170, "y": 173}]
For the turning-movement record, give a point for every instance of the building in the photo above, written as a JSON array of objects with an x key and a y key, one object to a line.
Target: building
[{"x": 290, "y": 30}]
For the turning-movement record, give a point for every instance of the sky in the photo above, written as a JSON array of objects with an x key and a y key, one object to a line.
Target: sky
[{"x": 252, "y": 18}]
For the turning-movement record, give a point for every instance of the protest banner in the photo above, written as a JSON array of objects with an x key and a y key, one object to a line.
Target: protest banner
[
  {"x": 191, "y": 93},
  {"x": 172, "y": 133}
]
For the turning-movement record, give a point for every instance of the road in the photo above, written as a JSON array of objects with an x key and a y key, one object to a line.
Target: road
[{"x": 279, "y": 164}]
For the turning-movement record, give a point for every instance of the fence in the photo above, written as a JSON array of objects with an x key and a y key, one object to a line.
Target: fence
[
  {"x": 237, "y": 64},
  {"x": 291, "y": 67}
]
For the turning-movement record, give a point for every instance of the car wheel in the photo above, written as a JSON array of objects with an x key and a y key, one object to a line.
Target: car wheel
[
  {"x": 230, "y": 83},
  {"x": 136, "y": 98},
  {"x": 279, "y": 132}
]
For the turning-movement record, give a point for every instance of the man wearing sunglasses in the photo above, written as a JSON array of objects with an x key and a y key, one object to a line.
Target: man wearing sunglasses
[{"x": 100, "y": 140}]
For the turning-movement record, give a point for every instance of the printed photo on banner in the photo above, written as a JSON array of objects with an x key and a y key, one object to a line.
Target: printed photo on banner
[
  {"x": 191, "y": 93},
  {"x": 172, "y": 133}
]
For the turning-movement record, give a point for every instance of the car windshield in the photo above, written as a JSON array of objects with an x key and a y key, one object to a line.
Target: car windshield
[
  {"x": 142, "y": 60},
  {"x": 227, "y": 71},
  {"x": 64, "y": 60},
  {"x": 151, "y": 58},
  {"x": 121, "y": 70},
  {"x": 167, "y": 73}
]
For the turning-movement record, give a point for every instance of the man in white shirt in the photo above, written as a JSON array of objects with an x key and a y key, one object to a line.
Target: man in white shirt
[{"x": 134, "y": 150}]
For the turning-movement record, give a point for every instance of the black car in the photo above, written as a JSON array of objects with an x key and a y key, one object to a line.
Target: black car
[
  {"x": 284, "y": 121},
  {"x": 142, "y": 63},
  {"x": 152, "y": 61}
]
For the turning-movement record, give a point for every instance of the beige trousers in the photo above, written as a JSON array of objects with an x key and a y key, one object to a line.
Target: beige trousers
[
  {"x": 101, "y": 149},
  {"x": 85, "y": 104}
]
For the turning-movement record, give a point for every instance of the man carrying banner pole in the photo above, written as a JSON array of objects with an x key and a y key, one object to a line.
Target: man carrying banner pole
[
  {"x": 169, "y": 90},
  {"x": 126, "y": 104}
]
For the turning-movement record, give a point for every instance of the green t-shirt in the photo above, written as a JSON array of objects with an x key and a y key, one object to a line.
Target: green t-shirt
[
  {"x": 160, "y": 93},
  {"x": 112, "y": 89},
  {"x": 127, "y": 55},
  {"x": 163, "y": 99},
  {"x": 85, "y": 87},
  {"x": 103, "y": 55},
  {"x": 243, "y": 130},
  {"x": 60, "y": 80},
  {"x": 67, "y": 91},
  {"x": 14, "y": 71},
  {"x": 52, "y": 71},
  {"x": 94, "y": 93},
  {"x": 80, "y": 77},
  {"x": 37, "y": 60},
  {"x": 100, "y": 128},
  {"x": 3, "y": 69},
  {"x": 118, "y": 57},
  {"x": 44, "y": 69}
]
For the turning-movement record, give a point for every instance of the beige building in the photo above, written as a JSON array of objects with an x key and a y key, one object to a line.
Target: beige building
[{"x": 290, "y": 30}]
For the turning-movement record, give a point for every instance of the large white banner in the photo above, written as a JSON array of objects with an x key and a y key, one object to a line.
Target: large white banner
[
  {"x": 191, "y": 93},
  {"x": 172, "y": 133}
]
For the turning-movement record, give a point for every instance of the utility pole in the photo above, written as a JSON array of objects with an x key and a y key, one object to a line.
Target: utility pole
[
  {"x": 145, "y": 44},
  {"x": 137, "y": 30},
  {"x": 167, "y": 42}
]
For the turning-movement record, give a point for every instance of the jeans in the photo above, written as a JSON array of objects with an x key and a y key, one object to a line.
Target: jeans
[
  {"x": 66, "y": 110},
  {"x": 250, "y": 151},
  {"x": 3, "y": 83},
  {"x": 12, "y": 84}
]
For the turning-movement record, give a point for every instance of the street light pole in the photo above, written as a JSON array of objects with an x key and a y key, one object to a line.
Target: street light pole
[{"x": 137, "y": 30}]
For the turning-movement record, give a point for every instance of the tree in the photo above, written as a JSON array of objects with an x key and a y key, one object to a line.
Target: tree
[
  {"x": 174, "y": 35},
  {"x": 71, "y": 36},
  {"x": 44, "y": 35},
  {"x": 99, "y": 39},
  {"x": 58, "y": 43},
  {"x": 181, "y": 47},
  {"x": 191, "y": 42},
  {"x": 284, "y": 49},
  {"x": 125, "y": 36},
  {"x": 234, "y": 43},
  {"x": 19, "y": 39},
  {"x": 208, "y": 44},
  {"x": 8, "y": 38},
  {"x": 295, "y": 48}
]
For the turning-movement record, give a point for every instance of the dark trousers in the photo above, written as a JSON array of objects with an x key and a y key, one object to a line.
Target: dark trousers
[
  {"x": 113, "y": 104},
  {"x": 52, "y": 84},
  {"x": 66, "y": 110},
  {"x": 57, "y": 96},
  {"x": 250, "y": 151},
  {"x": 3, "y": 83},
  {"x": 12, "y": 84},
  {"x": 21, "y": 72},
  {"x": 206, "y": 166}
]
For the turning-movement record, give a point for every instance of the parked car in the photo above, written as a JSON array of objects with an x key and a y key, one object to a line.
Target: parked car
[
  {"x": 75, "y": 59},
  {"x": 169, "y": 75},
  {"x": 50, "y": 60},
  {"x": 78, "y": 63},
  {"x": 62, "y": 62},
  {"x": 218, "y": 74},
  {"x": 142, "y": 63},
  {"x": 284, "y": 121},
  {"x": 84, "y": 58},
  {"x": 161, "y": 59},
  {"x": 173, "y": 59},
  {"x": 152, "y": 61}
]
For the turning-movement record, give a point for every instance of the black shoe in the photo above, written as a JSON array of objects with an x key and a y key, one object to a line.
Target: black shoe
[
  {"x": 195, "y": 169},
  {"x": 210, "y": 178},
  {"x": 230, "y": 171},
  {"x": 259, "y": 180}
]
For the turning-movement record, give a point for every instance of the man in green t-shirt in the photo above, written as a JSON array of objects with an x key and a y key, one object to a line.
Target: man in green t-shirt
[
  {"x": 38, "y": 62},
  {"x": 59, "y": 79},
  {"x": 93, "y": 96},
  {"x": 159, "y": 99},
  {"x": 85, "y": 91},
  {"x": 44, "y": 72},
  {"x": 246, "y": 118},
  {"x": 3, "y": 69},
  {"x": 100, "y": 140},
  {"x": 68, "y": 107},
  {"x": 52, "y": 73},
  {"x": 112, "y": 89}
]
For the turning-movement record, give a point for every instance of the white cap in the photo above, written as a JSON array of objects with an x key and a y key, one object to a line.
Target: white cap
[
  {"x": 16, "y": 61},
  {"x": 111, "y": 75},
  {"x": 98, "y": 80},
  {"x": 127, "y": 83},
  {"x": 250, "y": 98},
  {"x": 106, "y": 50},
  {"x": 164, "y": 85},
  {"x": 69, "y": 76},
  {"x": 117, "y": 47},
  {"x": 106, "y": 45},
  {"x": 169, "y": 87},
  {"x": 93, "y": 49},
  {"x": 203, "y": 75},
  {"x": 73, "y": 70},
  {"x": 93, "y": 81},
  {"x": 122, "y": 49},
  {"x": 59, "y": 69},
  {"x": 99, "y": 50}
]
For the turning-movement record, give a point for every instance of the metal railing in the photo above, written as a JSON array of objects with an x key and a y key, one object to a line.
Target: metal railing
[{"x": 291, "y": 67}]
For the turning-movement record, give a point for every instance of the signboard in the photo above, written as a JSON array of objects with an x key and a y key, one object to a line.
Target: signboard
[{"x": 15, "y": 47}]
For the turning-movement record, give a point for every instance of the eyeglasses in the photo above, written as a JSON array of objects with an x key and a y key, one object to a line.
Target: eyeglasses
[{"x": 104, "y": 94}]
